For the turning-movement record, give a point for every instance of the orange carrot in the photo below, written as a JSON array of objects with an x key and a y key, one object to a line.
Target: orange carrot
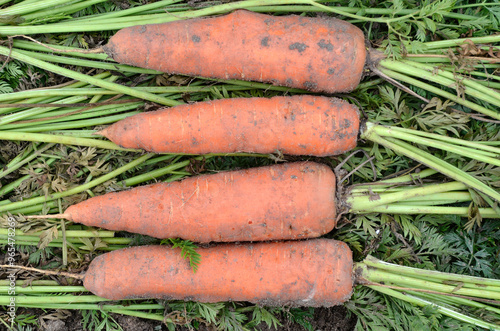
[
  {"x": 317, "y": 54},
  {"x": 287, "y": 201},
  {"x": 306, "y": 273},
  {"x": 297, "y": 125}
]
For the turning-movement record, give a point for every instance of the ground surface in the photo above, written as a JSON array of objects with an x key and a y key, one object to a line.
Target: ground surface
[{"x": 325, "y": 319}]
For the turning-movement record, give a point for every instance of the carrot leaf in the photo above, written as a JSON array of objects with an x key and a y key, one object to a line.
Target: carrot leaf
[{"x": 188, "y": 251}]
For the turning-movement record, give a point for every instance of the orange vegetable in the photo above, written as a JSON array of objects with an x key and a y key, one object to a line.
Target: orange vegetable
[
  {"x": 297, "y": 125},
  {"x": 317, "y": 54},
  {"x": 306, "y": 273},
  {"x": 287, "y": 201}
]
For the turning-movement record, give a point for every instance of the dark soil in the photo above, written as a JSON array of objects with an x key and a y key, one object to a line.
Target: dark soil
[{"x": 325, "y": 319}]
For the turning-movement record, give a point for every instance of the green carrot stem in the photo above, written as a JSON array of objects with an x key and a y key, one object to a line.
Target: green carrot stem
[
  {"x": 438, "y": 91},
  {"x": 456, "y": 141},
  {"x": 78, "y": 189},
  {"x": 37, "y": 110},
  {"x": 23, "y": 8},
  {"x": 67, "y": 10},
  {"x": 450, "y": 43},
  {"x": 60, "y": 140},
  {"x": 375, "y": 133},
  {"x": 365, "y": 203},
  {"x": 470, "y": 86},
  {"x": 109, "y": 308},
  {"x": 451, "y": 300},
  {"x": 432, "y": 210},
  {"x": 430, "y": 274},
  {"x": 384, "y": 277},
  {"x": 446, "y": 196},
  {"x": 35, "y": 208},
  {"x": 464, "y": 151},
  {"x": 443, "y": 310},
  {"x": 404, "y": 179},
  {"x": 58, "y": 49},
  {"x": 60, "y": 92},
  {"x": 70, "y": 117},
  {"x": 86, "y": 78},
  {"x": 100, "y": 307},
  {"x": 87, "y": 63},
  {"x": 157, "y": 173},
  {"x": 44, "y": 289},
  {"x": 78, "y": 124},
  {"x": 69, "y": 233},
  {"x": 6, "y": 282},
  {"x": 59, "y": 244},
  {"x": 133, "y": 11},
  {"x": 31, "y": 299},
  {"x": 73, "y": 240}
]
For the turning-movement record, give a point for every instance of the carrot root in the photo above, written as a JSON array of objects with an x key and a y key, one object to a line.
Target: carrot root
[
  {"x": 286, "y": 201},
  {"x": 316, "y": 54},
  {"x": 297, "y": 125},
  {"x": 299, "y": 273}
]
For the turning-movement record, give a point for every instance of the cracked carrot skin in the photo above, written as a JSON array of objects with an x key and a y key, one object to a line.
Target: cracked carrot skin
[
  {"x": 311, "y": 273},
  {"x": 297, "y": 125},
  {"x": 319, "y": 54},
  {"x": 279, "y": 202}
]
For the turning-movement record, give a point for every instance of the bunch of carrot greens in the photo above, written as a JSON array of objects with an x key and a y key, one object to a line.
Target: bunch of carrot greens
[{"x": 464, "y": 76}]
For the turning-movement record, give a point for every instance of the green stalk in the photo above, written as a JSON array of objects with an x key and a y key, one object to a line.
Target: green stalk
[
  {"x": 404, "y": 179},
  {"x": 6, "y": 282},
  {"x": 44, "y": 289},
  {"x": 493, "y": 151},
  {"x": 78, "y": 52},
  {"x": 62, "y": 119},
  {"x": 69, "y": 233},
  {"x": 86, "y": 78},
  {"x": 445, "y": 311},
  {"x": 365, "y": 203},
  {"x": 450, "y": 197},
  {"x": 78, "y": 124},
  {"x": 383, "y": 277},
  {"x": 78, "y": 189},
  {"x": 36, "y": 239},
  {"x": 429, "y": 274},
  {"x": 157, "y": 173},
  {"x": 38, "y": 110},
  {"x": 396, "y": 66},
  {"x": 132, "y": 11},
  {"x": 48, "y": 138},
  {"x": 453, "y": 79},
  {"x": 66, "y": 10},
  {"x": 428, "y": 210},
  {"x": 62, "y": 92},
  {"x": 23, "y": 7},
  {"x": 60, "y": 299},
  {"x": 457, "y": 301},
  {"x": 87, "y": 63},
  {"x": 464, "y": 151},
  {"x": 375, "y": 133},
  {"x": 108, "y": 308},
  {"x": 450, "y": 43}
]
